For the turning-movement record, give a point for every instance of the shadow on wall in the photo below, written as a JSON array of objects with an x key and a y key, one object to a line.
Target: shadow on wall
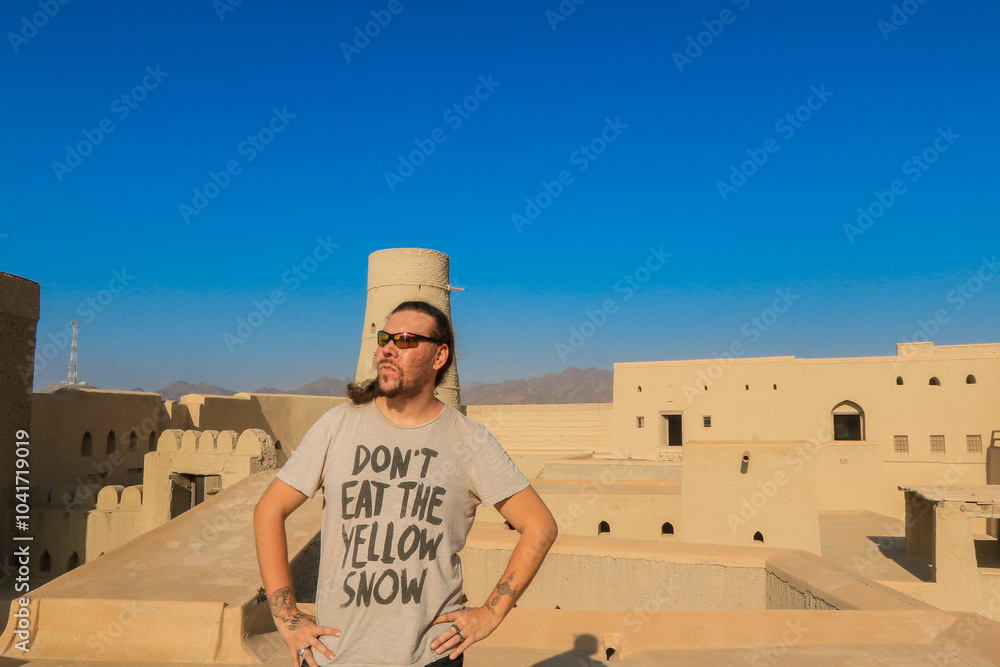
[{"x": 579, "y": 656}]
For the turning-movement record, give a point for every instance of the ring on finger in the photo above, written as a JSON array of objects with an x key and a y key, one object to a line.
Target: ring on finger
[{"x": 458, "y": 633}]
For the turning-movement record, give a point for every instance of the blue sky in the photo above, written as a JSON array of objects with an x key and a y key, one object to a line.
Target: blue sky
[{"x": 204, "y": 150}]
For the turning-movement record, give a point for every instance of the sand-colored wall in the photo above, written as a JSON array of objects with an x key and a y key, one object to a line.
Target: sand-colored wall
[
  {"x": 287, "y": 417},
  {"x": 61, "y": 420},
  {"x": 591, "y": 573},
  {"x": 19, "y": 304},
  {"x": 850, "y": 476},
  {"x": 725, "y": 500},
  {"x": 806, "y": 393},
  {"x": 571, "y": 426},
  {"x": 623, "y": 469},
  {"x": 638, "y": 510},
  {"x": 89, "y": 520}
]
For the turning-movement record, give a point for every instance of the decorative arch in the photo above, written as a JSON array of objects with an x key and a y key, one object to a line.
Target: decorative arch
[{"x": 848, "y": 421}]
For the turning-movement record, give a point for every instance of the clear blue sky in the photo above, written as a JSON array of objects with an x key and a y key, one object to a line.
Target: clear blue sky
[{"x": 309, "y": 128}]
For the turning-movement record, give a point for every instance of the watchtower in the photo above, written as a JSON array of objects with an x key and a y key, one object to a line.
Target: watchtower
[{"x": 396, "y": 275}]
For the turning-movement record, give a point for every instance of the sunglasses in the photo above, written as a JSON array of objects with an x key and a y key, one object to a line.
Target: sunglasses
[{"x": 403, "y": 341}]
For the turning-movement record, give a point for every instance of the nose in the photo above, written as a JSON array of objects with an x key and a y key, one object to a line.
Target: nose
[{"x": 388, "y": 350}]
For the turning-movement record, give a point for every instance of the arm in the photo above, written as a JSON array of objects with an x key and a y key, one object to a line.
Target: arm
[
  {"x": 529, "y": 516},
  {"x": 297, "y": 629}
]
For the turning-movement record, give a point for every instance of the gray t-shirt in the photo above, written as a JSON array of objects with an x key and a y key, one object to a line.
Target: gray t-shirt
[{"x": 398, "y": 503}]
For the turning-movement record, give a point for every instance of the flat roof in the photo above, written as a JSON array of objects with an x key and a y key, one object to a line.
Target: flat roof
[{"x": 986, "y": 493}]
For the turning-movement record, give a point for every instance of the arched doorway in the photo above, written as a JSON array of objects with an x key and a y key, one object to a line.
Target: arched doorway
[{"x": 848, "y": 421}]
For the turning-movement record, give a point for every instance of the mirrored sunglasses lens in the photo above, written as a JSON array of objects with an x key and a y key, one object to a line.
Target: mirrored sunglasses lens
[
  {"x": 383, "y": 338},
  {"x": 404, "y": 341}
]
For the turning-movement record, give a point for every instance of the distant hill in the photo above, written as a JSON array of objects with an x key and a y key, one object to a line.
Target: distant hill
[
  {"x": 324, "y": 386},
  {"x": 174, "y": 390},
  {"x": 573, "y": 385}
]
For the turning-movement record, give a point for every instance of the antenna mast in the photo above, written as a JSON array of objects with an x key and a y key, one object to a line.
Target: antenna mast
[{"x": 72, "y": 359}]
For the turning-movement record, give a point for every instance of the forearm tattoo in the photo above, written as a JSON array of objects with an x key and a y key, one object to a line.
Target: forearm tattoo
[
  {"x": 504, "y": 589},
  {"x": 283, "y": 608}
]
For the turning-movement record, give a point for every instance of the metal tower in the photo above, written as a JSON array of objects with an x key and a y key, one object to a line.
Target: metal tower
[{"x": 72, "y": 359}]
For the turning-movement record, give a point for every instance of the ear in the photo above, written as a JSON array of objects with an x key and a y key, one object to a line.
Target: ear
[{"x": 441, "y": 356}]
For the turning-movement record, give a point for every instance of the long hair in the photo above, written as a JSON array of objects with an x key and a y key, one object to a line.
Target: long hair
[{"x": 365, "y": 392}]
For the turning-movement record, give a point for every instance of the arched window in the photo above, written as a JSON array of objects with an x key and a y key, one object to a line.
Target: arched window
[
  {"x": 133, "y": 442},
  {"x": 899, "y": 379},
  {"x": 848, "y": 421},
  {"x": 45, "y": 565},
  {"x": 934, "y": 382},
  {"x": 748, "y": 387},
  {"x": 87, "y": 446},
  {"x": 970, "y": 379},
  {"x": 152, "y": 441},
  {"x": 603, "y": 528},
  {"x": 73, "y": 561},
  {"x": 774, "y": 386},
  {"x": 373, "y": 331},
  {"x": 667, "y": 529},
  {"x": 639, "y": 388},
  {"x": 111, "y": 442},
  {"x": 757, "y": 537}
]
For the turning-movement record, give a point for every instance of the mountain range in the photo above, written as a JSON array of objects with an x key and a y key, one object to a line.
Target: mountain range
[{"x": 573, "y": 385}]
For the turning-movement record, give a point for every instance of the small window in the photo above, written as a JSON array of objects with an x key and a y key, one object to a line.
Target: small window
[
  {"x": 748, "y": 387},
  {"x": 73, "y": 561},
  {"x": 937, "y": 444},
  {"x": 974, "y": 443},
  {"x": 639, "y": 389},
  {"x": 133, "y": 442},
  {"x": 604, "y": 528},
  {"x": 87, "y": 446},
  {"x": 758, "y": 537},
  {"x": 152, "y": 441},
  {"x": 639, "y": 421},
  {"x": 706, "y": 421},
  {"x": 970, "y": 379},
  {"x": 775, "y": 387},
  {"x": 901, "y": 443},
  {"x": 934, "y": 382},
  {"x": 667, "y": 529},
  {"x": 899, "y": 379},
  {"x": 706, "y": 387},
  {"x": 46, "y": 563},
  {"x": 111, "y": 442}
]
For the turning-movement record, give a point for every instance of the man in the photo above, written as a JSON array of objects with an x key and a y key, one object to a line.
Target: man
[{"x": 402, "y": 475}]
